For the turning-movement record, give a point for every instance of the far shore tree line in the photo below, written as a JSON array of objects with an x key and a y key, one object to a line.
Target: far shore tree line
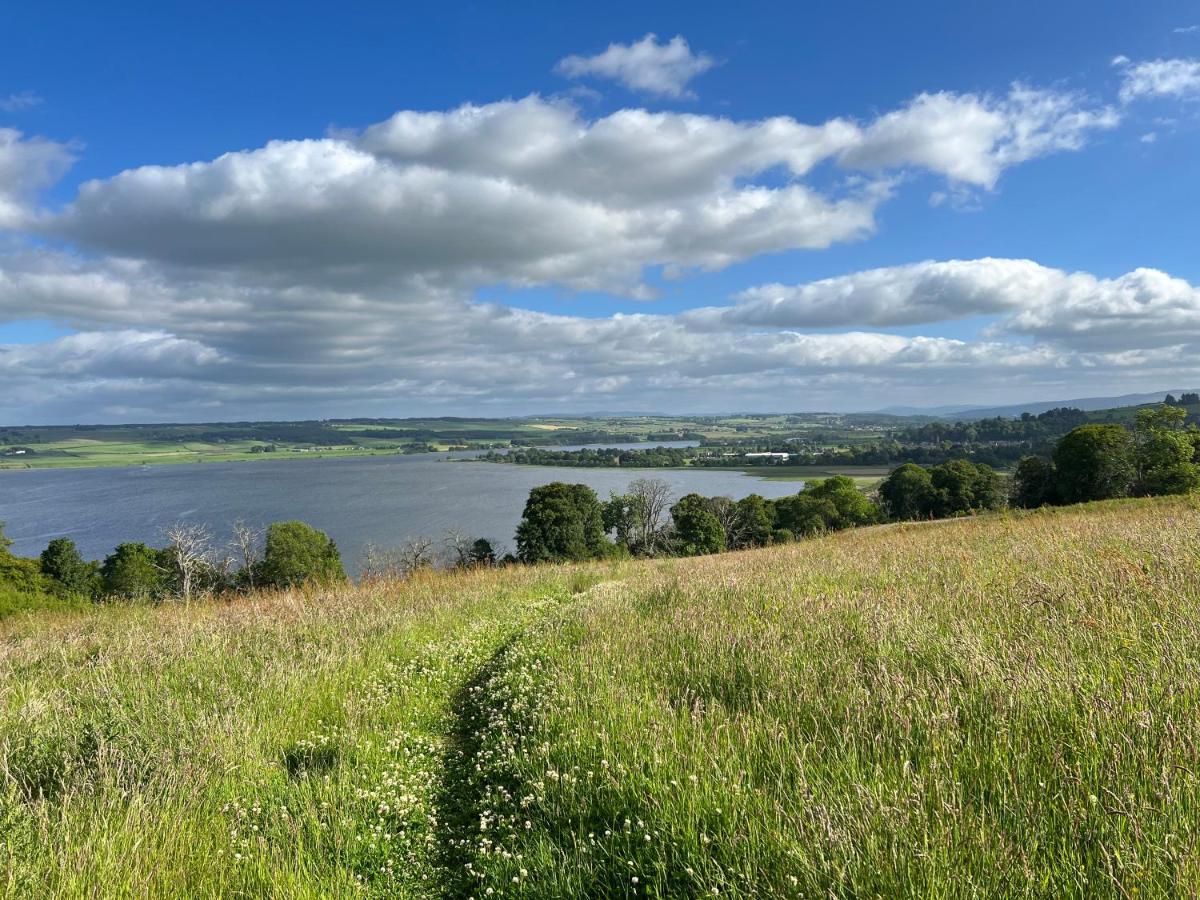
[
  {"x": 564, "y": 522},
  {"x": 568, "y": 522}
]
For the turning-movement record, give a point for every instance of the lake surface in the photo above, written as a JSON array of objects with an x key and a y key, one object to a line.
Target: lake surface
[{"x": 382, "y": 500}]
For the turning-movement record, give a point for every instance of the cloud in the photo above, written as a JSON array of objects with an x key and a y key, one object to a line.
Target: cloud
[
  {"x": 1144, "y": 308},
  {"x": 531, "y": 192},
  {"x": 336, "y": 276},
  {"x": 1158, "y": 78},
  {"x": 1186, "y": 29},
  {"x": 27, "y": 164},
  {"x": 973, "y": 138},
  {"x": 647, "y": 66},
  {"x": 212, "y": 347},
  {"x": 21, "y": 100}
]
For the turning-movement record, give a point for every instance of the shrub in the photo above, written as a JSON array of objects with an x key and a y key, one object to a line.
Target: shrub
[
  {"x": 69, "y": 572},
  {"x": 132, "y": 572},
  {"x": 297, "y": 553}
]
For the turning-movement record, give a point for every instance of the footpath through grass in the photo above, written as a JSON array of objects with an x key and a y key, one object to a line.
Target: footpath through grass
[
  {"x": 1007, "y": 706},
  {"x": 288, "y": 746}
]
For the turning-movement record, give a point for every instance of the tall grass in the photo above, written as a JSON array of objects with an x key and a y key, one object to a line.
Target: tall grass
[
  {"x": 1002, "y": 706},
  {"x": 288, "y": 745},
  {"x": 998, "y": 707}
]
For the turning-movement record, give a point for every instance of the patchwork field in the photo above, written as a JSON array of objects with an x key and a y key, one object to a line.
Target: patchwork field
[{"x": 999, "y": 706}]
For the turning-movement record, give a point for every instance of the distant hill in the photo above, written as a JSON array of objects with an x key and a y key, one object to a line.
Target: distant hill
[{"x": 1087, "y": 404}]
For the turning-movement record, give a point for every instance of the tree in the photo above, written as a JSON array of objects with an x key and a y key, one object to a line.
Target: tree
[
  {"x": 246, "y": 543},
  {"x": 458, "y": 547},
  {"x": 725, "y": 511},
  {"x": 753, "y": 522},
  {"x": 132, "y": 572},
  {"x": 415, "y": 554},
  {"x": 189, "y": 557},
  {"x": 989, "y": 490},
  {"x": 70, "y": 573},
  {"x": 805, "y": 514},
  {"x": 1095, "y": 462},
  {"x": 697, "y": 529},
  {"x": 1166, "y": 452},
  {"x": 18, "y": 573},
  {"x": 1033, "y": 483},
  {"x": 908, "y": 493},
  {"x": 561, "y": 522},
  {"x": 297, "y": 553},
  {"x": 852, "y": 505},
  {"x": 483, "y": 553},
  {"x": 638, "y": 517},
  {"x": 962, "y": 487}
]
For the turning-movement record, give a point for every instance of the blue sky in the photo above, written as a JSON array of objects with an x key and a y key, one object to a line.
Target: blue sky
[{"x": 217, "y": 298}]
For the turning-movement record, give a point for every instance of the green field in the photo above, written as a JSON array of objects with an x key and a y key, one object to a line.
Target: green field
[
  {"x": 1001, "y": 706},
  {"x": 64, "y": 446},
  {"x": 85, "y": 453}
]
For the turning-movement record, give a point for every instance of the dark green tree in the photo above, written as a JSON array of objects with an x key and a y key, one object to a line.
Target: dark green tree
[
  {"x": 908, "y": 493},
  {"x": 1166, "y": 451},
  {"x": 1034, "y": 483},
  {"x": 805, "y": 514},
  {"x": 962, "y": 487},
  {"x": 297, "y": 553},
  {"x": 853, "y": 506},
  {"x": 753, "y": 522},
  {"x": 17, "y": 572},
  {"x": 990, "y": 490},
  {"x": 482, "y": 553},
  {"x": 132, "y": 572},
  {"x": 697, "y": 528},
  {"x": 69, "y": 572},
  {"x": 561, "y": 522},
  {"x": 1095, "y": 462}
]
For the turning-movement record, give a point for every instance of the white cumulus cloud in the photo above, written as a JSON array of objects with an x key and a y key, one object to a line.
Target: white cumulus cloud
[{"x": 646, "y": 65}]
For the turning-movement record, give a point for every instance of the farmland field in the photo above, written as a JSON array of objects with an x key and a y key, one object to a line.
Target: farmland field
[{"x": 1004, "y": 705}]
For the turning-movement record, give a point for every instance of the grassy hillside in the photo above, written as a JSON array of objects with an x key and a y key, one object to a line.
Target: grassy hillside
[{"x": 1004, "y": 706}]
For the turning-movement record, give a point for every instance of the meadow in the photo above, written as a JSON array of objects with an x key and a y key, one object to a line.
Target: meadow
[{"x": 1004, "y": 705}]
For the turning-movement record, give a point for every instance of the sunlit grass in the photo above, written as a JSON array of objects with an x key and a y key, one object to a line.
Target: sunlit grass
[{"x": 1002, "y": 706}]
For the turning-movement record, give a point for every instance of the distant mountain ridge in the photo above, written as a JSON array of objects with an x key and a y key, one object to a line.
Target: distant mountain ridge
[{"x": 1087, "y": 404}]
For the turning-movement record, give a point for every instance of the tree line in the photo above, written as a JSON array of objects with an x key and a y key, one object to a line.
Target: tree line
[
  {"x": 1159, "y": 455},
  {"x": 192, "y": 564},
  {"x": 568, "y": 522}
]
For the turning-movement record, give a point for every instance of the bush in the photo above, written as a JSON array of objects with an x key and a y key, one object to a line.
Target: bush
[
  {"x": 69, "y": 572},
  {"x": 132, "y": 572},
  {"x": 296, "y": 553},
  {"x": 561, "y": 523}
]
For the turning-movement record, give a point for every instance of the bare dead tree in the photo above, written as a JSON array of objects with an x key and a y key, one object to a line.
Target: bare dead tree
[
  {"x": 416, "y": 553},
  {"x": 379, "y": 563},
  {"x": 650, "y": 499},
  {"x": 189, "y": 549},
  {"x": 459, "y": 549},
  {"x": 386, "y": 563},
  {"x": 246, "y": 545}
]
